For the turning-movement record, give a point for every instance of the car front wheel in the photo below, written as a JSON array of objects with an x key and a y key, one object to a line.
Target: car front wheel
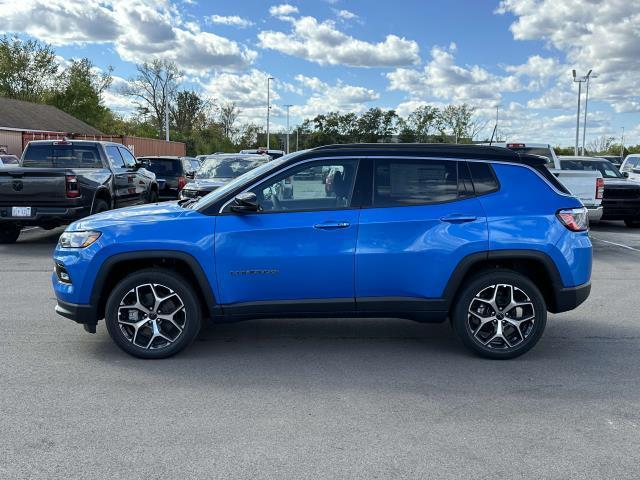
[
  {"x": 153, "y": 314},
  {"x": 500, "y": 314}
]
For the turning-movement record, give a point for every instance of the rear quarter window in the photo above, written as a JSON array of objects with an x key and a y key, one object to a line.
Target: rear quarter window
[{"x": 483, "y": 177}]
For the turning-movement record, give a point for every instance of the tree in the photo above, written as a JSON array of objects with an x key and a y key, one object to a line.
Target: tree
[
  {"x": 27, "y": 69},
  {"x": 188, "y": 111},
  {"x": 422, "y": 121},
  {"x": 602, "y": 145},
  {"x": 79, "y": 93},
  {"x": 228, "y": 116},
  {"x": 153, "y": 88},
  {"x": 456, "y": 121}
]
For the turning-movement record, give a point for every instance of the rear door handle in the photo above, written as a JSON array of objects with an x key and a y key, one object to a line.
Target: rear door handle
[
  {"x": 459, "y": 218},
  {"x": 331, "y": 225}
]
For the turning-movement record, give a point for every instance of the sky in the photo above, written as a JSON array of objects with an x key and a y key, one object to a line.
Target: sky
[{"x": 351, "y": 55}]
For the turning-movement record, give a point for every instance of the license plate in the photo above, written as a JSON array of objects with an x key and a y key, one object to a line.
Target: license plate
[{"x": 20, "y": 211}]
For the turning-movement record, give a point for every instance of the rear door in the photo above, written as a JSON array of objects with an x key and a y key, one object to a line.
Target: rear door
[
  {"x": 298, "y": 253},
  {"x": 123, "y": 179},
  {"x": 140, "y": 184},
  {"x": 424, "y": 219}
]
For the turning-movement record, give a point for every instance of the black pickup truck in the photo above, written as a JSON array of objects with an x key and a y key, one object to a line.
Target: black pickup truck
[{"x": 61, "y": 181}]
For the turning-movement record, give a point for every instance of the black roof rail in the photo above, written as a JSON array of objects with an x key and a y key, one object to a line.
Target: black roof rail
[{"x": 445, "y": 150}]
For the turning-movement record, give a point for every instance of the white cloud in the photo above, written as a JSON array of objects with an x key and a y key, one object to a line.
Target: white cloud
[
  {"x": 322, "y": 43},
  {"x": 140, "y": 30},
  {"x": 442, "y": 79},
  {"x": 346, "y": 15},
  {"x": 232, "y": 20},
  {"x": 599, "y": 35},
  {"x": 283, "y": 10},
  {"x": 324, "y": 97}
]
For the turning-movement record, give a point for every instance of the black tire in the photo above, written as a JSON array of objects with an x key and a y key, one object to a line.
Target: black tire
[
  {"x": 119, "y": 320},
  {"x": 153, "y": 196},
  {"x": 9, "y": 233},
  {"x": 513, "y": 341},
  {"x": 99, "y": 206},
  {"x": 632, "y": 222}
]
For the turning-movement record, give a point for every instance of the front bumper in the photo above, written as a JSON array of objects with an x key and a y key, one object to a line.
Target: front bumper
[
  {"x": 83, "y": 314},
  {"x": 569, "y": 298}
]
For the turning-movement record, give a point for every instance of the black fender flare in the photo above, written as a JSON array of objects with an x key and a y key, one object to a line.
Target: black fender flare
[
  {"x": 99, "y": 190},
  {"x": 203, "y": 284},
  {"x": 468, "y": 262}
]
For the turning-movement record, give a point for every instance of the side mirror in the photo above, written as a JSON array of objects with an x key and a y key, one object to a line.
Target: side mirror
[
  {"x": 246, "y": 202},
  {"x": 625, "y": 174},
  {"x": 191, "y": 175}
]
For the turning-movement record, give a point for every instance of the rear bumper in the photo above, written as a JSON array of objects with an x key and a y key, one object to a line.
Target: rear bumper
[
  {"x": 621, "y": 209},
  {"x": 83, "y": 314},
  {"x": 42, "y": 215},
  {"x": 595, "y": 213},
  {"x": 570, "y": 298}
]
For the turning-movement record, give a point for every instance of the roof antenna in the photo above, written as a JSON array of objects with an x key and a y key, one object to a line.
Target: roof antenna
[{"x": 495, "y": 128}]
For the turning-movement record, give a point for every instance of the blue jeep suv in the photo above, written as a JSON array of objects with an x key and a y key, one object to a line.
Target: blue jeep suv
[{"x": 483, "y": 236}]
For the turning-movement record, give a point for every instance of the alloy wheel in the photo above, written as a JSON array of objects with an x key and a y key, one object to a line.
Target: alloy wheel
[
  {"x": 501, "y": 316},
  {"x": 152, "y": 316}
]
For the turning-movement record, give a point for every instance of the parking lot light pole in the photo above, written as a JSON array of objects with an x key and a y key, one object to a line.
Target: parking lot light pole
[
  {"x": 288, "y": 106},
  {"x": 579, "y": 81},
  {"x": 586, "y": 105},
  {"x": 268, "y": 107}
]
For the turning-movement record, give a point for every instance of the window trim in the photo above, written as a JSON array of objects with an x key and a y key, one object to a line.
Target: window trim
[
  {"x": 362, "y": 158},
  {"x": 358, "y": 161}
]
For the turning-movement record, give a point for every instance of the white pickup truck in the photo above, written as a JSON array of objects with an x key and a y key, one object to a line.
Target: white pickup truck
[{"x": 587, "y": 185}]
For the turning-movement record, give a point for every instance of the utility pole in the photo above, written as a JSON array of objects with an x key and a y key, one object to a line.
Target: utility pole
[
  {"x": 579, "y": 82},
  {"x": 586, "y": 105},
  {"x": 166, "y": 116},
  {"x": 268, "y": 107},
  {"x": 288, "y": 106},
  {"x": 297, "y": 139},
  {"x": 622, "y": 145}
]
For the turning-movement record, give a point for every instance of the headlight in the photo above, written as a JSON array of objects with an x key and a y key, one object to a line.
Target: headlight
[{"x": 78, "y": 239}]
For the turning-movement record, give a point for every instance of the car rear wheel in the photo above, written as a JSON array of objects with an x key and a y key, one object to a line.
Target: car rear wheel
[
  {"x": 632, "y": 222},
  {"x": 153, "y": 314},
  {"x": 99, "y": 206},
  {"x": 9, "y": 233},
  {"x": 500, "y": 314}
]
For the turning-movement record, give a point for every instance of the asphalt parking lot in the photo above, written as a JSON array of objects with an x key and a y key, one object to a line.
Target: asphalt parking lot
[{"x": 291, "y": 399}]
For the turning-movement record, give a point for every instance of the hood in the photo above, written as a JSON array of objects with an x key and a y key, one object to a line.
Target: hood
[
  {"x": 153, "y": 212},
  {"x": 207, "y": 184}
]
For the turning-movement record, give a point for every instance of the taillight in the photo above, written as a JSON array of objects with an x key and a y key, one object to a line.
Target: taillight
[
  {"x": 182, "y": 181},
  {"x": 575, "y": 219},
  {"x": 599, "y": 188},
  {"x": 515, "y": 145},
  {"x": 71, "y": 182}
]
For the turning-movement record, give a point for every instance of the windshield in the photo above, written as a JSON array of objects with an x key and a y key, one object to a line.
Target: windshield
[
  {"x": 605, "y": 167},
  {"x": 163, "y": 166},
  {"x": 248, "y": 177},
  {"x": 8, "y": 160},
  {"x": 229, "y": 167}
]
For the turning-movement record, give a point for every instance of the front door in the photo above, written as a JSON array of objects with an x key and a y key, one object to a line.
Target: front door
[
  {"x": 297, "y": 254},
  {"x": 124, "y": 179}
]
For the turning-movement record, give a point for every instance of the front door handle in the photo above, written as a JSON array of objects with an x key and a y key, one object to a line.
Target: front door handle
[
  {"x": 331, "y": 225},
  {"x": 459, "y": 218}
]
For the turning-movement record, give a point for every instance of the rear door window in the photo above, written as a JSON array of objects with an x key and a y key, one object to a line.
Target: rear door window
[
  {"x": 404, "y": 182},
  {"x": 129, "y": 159},
  {"x": 62, "y": 156}
]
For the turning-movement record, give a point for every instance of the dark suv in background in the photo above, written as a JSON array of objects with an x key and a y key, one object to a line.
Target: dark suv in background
[{"x": 172, "y": 173}]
